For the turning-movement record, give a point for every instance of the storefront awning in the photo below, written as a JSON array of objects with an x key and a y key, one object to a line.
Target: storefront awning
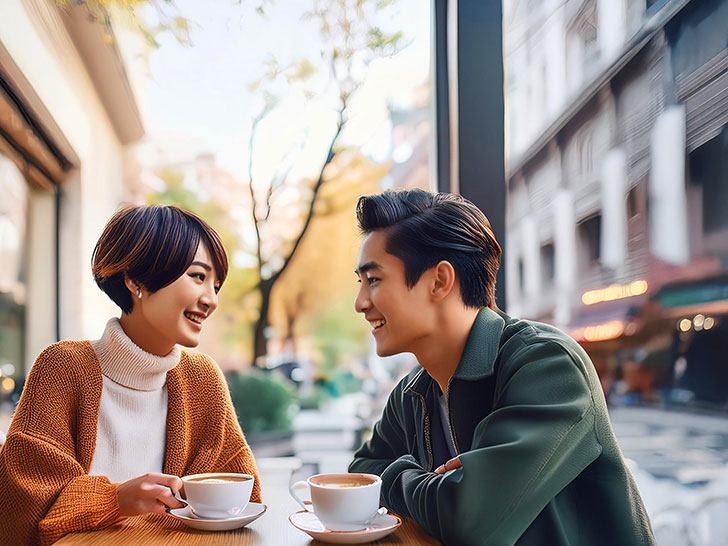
[
  {"x": 689, "y": 298},
  {"x": 605, "y": 321},
  {"x": 34, "y": 147}
]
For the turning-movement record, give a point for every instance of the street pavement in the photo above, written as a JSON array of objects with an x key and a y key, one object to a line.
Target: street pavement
[{"x": 680, "y": 463}]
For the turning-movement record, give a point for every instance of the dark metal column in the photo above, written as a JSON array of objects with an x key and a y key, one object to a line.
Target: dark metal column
[
  {"x": 441, "y": 99},
  {"x": 480, "y": 112}
]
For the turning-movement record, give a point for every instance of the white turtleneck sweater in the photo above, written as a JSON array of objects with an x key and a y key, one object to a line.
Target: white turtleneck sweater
[{"x": 132, "y": 426}]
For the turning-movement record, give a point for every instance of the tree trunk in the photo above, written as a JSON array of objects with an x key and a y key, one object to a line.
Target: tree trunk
[{"x": 260, "y": 347}]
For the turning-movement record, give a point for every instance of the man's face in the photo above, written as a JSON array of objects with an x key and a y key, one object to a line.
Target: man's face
[{"x": 399, "y": 316}]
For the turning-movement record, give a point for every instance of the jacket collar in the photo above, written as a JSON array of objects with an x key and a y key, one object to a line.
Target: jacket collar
[{"x": 479, "y": 354}]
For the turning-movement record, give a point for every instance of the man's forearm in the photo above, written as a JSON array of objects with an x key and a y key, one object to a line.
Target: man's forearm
[
  {"x": 369, "y": 466},
  {"x": 410, "y": 490}
]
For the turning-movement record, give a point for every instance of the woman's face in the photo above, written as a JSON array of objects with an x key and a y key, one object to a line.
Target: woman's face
[{"x": 175, "y": 314}]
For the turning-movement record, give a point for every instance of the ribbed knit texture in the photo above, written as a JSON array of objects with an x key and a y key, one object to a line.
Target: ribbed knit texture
[
  {"x": 126, "y": 364},
  {"x": 132, "y": 422},
  {"x": 45, "y": 489}
]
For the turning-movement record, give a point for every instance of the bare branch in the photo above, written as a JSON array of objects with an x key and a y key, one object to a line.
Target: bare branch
[
  {"x": 330, "y": 154},
  {"x": 281, "y": 176},
  {"x": 253, "y": 203}
]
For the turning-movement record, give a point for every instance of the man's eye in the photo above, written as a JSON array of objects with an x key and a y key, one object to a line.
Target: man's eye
[{"x": 372, "y": 280}]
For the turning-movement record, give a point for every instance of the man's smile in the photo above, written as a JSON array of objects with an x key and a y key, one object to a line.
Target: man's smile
[{"x": 377, "y": 323}]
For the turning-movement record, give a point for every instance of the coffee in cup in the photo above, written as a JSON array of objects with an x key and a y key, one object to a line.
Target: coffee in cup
[
  {"x": 224, "y": 479},
  {"x": 218, "y": 495},
  {"x": 342, "y": 502}
]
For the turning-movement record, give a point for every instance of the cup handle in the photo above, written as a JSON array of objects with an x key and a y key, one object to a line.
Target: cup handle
[
  {"x": 299, "y": 486},
  {"x": 178, "y": 496},
  {"x": 379, "y": 512}
]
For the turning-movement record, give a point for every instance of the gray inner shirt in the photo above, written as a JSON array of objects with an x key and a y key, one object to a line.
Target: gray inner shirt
[{"x": 445, "y": 425}]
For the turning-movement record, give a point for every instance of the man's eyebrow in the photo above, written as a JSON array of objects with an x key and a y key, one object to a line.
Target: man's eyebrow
[
  {"x": 367, "y": 267},
  {"x": 203, "y": 265}
]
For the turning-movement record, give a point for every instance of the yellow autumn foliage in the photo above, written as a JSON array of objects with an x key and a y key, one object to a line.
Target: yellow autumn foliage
[{"x": 322, "y": 270}]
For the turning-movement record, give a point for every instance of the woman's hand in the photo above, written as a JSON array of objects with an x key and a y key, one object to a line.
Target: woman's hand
[{"x": 151, "y": 492}]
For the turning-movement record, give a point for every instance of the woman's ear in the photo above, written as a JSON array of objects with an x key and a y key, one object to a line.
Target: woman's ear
[
  {"x": 134, "y": 287},
  {"x": 444, "y": 280}
]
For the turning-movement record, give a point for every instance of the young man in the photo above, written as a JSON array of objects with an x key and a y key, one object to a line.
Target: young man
[{"x": 501, "y": 435}]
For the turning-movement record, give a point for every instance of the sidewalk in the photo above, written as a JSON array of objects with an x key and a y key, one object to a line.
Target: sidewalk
[
  {"x": 680, "y": 463},
  {"x": 689, "y": 448}
]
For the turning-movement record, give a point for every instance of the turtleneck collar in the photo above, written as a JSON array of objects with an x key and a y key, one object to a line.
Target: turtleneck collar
[{"x": 125, "y": 363}]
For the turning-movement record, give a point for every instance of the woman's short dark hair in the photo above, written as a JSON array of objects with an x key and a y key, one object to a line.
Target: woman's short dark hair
[
  {"x": 153, "y": 246},
  {"x": 423, "y": 228}
]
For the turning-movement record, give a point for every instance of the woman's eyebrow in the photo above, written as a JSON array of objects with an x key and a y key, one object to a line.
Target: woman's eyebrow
[{"x": 202, "y": 265}]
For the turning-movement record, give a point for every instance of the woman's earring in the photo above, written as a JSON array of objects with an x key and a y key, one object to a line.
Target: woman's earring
[{"x": 139, "y": 294}]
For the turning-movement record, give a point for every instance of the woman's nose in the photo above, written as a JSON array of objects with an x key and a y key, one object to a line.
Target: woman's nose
[{"x": 209, "y": 299}]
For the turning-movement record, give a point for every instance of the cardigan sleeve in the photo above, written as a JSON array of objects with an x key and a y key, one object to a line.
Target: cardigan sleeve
[
  {"x": 235, "y": 453},
  {"x": 42, "y": 484},
  {"x": 48, "y": 493},
  {"x": 217, "y": 441}
]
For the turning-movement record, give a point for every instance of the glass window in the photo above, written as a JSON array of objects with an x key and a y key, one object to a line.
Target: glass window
[
  {"x": 521, "y": 276},
  {"x": 589, "y": 234},
  {"x": 709, "y": 165},
  {"x": 13, "y": 245},
  {"x": 548, "y": 264}
]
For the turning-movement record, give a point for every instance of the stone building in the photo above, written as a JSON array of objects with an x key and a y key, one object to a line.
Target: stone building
[{"x": 617, "y": 173}]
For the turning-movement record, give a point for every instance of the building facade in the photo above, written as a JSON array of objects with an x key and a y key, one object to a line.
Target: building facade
[
  {"x": 617, "y": 218},
  {"x": 67, "y": 116}
]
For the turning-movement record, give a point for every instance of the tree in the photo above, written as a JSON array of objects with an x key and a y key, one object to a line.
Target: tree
[
  {"x": 167, "y": 17},
  {"x": 350, "y": 41},
  {"x": 319, "y": 280},
  {"x": 224, "y": 330}
]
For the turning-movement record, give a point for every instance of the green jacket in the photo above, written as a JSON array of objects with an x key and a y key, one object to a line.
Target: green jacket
[{"x": 540, "y": 463}]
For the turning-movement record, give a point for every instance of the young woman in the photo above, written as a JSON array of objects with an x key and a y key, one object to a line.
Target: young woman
[{"x": 105, "y": 428}]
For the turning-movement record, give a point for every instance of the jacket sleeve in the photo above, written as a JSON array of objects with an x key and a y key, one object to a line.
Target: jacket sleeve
[
  {"x": 388, "y": 440},
  {"x": 539, "y": 437},
  {"x": 44, "y": 491}
]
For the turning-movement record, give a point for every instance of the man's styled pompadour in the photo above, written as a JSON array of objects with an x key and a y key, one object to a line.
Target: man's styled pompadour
[{"x": 423, "y": 228}]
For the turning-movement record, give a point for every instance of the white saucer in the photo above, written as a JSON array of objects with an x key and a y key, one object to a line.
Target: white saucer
[
  {"x": 382, "y": 525},
  {"x": 252, "y": 512}
]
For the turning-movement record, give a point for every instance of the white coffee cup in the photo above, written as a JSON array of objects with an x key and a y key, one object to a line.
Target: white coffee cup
[
  {"x": 218, "y": 495},
  {"x": 342, "y": 502}
]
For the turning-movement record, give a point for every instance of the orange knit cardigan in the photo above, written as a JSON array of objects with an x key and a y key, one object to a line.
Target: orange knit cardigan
[{"x": 45, "y": 491}]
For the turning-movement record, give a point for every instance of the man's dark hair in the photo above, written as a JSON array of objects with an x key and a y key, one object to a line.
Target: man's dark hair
[
  {"x": 423, "y": 228},
  {"x": 153, "y": 246}
]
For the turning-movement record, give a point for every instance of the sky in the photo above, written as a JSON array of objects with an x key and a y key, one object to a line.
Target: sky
[{"x": 197, "y": 98}]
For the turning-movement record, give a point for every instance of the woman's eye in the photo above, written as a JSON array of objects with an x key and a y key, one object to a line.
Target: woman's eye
[
  {"x": 217, "y": 289},
  {"x": 200, "y": 276}
]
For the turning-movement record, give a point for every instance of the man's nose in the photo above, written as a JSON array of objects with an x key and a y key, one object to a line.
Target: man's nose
[{"x": 362, "y": 303}]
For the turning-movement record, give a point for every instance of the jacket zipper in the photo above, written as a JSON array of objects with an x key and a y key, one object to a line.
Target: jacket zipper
[
  {"x": 451, "y": 429},
  {"x": 430, "y": 457}
]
